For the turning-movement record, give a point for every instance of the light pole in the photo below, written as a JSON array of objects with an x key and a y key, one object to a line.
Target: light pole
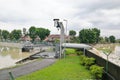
[
  {"x": 60, "y": 26},
  {"x": 65, "y": 36},
  {"x": 66, "y": 26}
]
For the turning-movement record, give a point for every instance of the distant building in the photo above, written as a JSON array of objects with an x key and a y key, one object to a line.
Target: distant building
[
  {"x": 25, "y": 38},
  {"x": 37, "y": 39},
  {"x": 53, "y": 37}
]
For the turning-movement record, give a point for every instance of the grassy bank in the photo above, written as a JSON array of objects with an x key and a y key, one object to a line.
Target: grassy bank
[{"x": 64, "y": 69}]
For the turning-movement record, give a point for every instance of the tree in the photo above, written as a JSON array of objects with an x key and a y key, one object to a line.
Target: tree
[
  {"x": 15, "y": 34},
  {"x": 5, "y": 34},
  {"x": 32, "y": 32},
  {"x": 97, "y": 34},
  {"x": 72, "y": 33},
  {"x": 86, "y": 36},
  {"x": 112, "y": 39},
  {"x": 73, "y": 39},
  {"x": 107, "y": 39},
  {"x": 89, "y": 35},
  {"x": 0, "y": 34},
  {"x": 41, "y": 32},
  {"x": 101, "y": 40}
]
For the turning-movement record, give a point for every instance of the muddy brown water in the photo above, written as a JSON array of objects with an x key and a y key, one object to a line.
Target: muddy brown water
[{"x": 10, "y": 55}]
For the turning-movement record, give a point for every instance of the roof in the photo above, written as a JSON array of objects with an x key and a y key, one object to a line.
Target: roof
[
  {"x": 54, "y": 36},
  {"x": 76, "y": 45}
]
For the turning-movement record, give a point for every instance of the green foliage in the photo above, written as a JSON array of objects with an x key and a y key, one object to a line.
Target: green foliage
[
  {"x": 72, "y": 33},
  {"x": 32, "y": 32},
  {"x": 41, "y": 32},
  {"x": 118, "y": 40},
  {"x": 5, "y": 34},
  {"x": 89, "y": 62},
  {"x": 64, "y": 69},
  {"x": 0, "y": 32},
  {"x": 15, "y": 34},
  {"x": 74, "y": 39},
  {"x": 112, "y": 39},
  {"x": 97, "y": 71},
  {"x": 97, "y": 34},
  {"x": 82, "y": 59},
  {"x": 89, "y": 35},
  {"x": 57, "y": 40},
  {"x": 79, "y": 53},
  {"x": 106, "y": 39},
  {"x": 70, "y": 51}
]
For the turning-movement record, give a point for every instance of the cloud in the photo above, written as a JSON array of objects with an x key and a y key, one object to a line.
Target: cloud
[{"x": 103, "y": 14}]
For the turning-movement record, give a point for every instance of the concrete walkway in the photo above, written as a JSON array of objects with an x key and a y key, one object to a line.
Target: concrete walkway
[{"x": 26, "y": 69}]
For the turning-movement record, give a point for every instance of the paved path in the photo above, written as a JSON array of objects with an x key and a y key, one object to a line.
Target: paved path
[{"x": 25, "y": 69}]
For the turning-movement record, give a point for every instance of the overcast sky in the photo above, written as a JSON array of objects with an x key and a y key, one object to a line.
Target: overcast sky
[{"x": 102, "y": 14}]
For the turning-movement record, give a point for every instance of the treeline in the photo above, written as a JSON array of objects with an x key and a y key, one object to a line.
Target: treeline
[
  {"x": 90, "y": 36},
  {"x": 85, "y": 35},
  {"x": 15, "y": 34}
]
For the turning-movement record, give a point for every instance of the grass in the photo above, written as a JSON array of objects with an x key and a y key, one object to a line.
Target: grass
[
  {"x": 68, "y": 68},
  {"x": 70, "y": 51}
]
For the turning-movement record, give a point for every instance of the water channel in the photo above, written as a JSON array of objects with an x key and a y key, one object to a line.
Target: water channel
[
  {"x": 114, "y": 56},
  {"x": 10, "y": 55}
]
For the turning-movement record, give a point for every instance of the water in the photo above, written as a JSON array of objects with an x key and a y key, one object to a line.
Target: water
[
  {"x": 9, "y": 56},
  {"x": 115, "y": 56},
  {"x": 117, "y": 51}
]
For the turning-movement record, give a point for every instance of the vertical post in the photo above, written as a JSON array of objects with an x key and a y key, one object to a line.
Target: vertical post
[
  {"x": 65, "y": 37},
  {"x": 84, "y": 51},
  {"x": 107, "y": 64},
  {"x": 11, "y": 76},
  {"x": 107, "y": 55},
  {"x": 61, "y": 38},
  {"x": 60, "y": 25}
]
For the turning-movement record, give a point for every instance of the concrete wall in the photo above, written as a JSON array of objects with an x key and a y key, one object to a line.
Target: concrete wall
[
  {"x": 10, "y": 44},
  {"x": 113, "y": 70}
]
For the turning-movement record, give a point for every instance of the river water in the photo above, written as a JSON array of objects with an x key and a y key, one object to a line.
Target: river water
[
  {"x": 10, "y": 55},
  {"x": 117, "y": 51},
  {"x": 115, "y": 56}
]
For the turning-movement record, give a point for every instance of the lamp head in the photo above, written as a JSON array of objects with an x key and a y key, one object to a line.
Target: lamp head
[{"x": 56, "y": 22}]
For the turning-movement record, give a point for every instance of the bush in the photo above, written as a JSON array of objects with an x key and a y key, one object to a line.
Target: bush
[
  {"x": 82, "y": 59},
  {"x": 89, "y": 62},
  {"x": 97, "y": 71},
  {"x": 79, "y": 53},
  {"x": 69, "y": 51}
]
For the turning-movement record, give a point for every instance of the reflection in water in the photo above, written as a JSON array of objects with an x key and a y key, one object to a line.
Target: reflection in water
[{"x": 10, "y": 55}]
